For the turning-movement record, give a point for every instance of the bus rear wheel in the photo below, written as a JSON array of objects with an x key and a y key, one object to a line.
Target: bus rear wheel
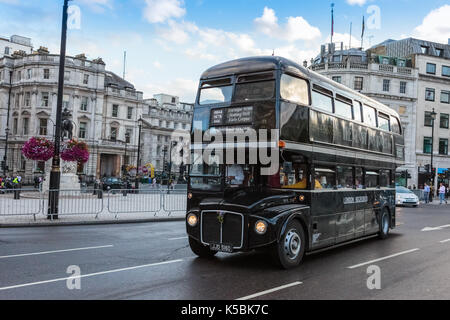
[
  {"x": 384, "y": 224},
  {"x": 289, "y": 251},
  {"x": 201, "y": 250}
]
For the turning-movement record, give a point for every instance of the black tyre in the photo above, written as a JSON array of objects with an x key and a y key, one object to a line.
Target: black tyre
[
  {"x": 385, "y": 224},
  {"x": 289, "y": 251},
  {"x": 201, "y": 250}
]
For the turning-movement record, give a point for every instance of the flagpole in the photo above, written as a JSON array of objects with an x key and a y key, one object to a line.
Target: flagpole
[
  {"x": 350, "y": 42},
  {"x": 332, "y": 21},
  {"x": 362, "y": 34}
]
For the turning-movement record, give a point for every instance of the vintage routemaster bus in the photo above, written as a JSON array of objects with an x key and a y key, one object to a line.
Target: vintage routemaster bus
[{"x": 337, "y": 151}]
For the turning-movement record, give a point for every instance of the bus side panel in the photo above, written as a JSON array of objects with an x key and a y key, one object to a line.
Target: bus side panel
[{"x": 323, "y": 216}]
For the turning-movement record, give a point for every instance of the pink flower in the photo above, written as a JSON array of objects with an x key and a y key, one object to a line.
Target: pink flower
[{"x": 39, "y": 149}]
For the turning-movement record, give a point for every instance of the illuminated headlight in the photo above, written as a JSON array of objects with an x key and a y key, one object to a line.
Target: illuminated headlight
[
  {"x": 192, "y": 219},
  {"x": 301, "y": 198},
  {"x": 189, "y": 195},
  {"x": 260, "y": 227}
]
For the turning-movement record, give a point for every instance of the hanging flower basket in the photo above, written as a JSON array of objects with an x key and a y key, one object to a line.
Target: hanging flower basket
[
  {"x": 130, "y": 168},
  {"x": 75, "y": 151},
  {"x": 39, "y": 149}
]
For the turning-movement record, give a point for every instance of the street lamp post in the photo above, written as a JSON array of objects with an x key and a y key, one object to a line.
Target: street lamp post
[
  {"x": 127, "y": 137},
  {"x": 433, "y": 118},
  {"x": 138, "y": 160},
  {"x": 170, "y": 163},
  {"x": 55, "y": 174},
  {"x": 5, "y": 156}
]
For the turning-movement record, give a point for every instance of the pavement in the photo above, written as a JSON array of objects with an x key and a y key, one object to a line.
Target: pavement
[{"x": 153, "y": 261}]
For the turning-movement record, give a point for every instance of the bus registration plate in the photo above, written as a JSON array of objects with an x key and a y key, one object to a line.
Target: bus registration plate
[{"x": 221, "y": 247}]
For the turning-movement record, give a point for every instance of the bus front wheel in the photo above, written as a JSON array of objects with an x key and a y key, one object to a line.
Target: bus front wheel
[
  {"x": 289, "y": 251},
  {"x": 200, "y": 250}
]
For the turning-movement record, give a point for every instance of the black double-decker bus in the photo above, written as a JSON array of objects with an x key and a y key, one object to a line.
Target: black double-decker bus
[{"x": 337, "y": 153}]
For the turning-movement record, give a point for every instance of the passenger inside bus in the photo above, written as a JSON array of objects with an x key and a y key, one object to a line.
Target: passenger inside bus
[{"x": 293, "y": 176}]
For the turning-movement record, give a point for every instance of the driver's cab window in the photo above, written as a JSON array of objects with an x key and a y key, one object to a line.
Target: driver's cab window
[{"x": 293, "y": 176}]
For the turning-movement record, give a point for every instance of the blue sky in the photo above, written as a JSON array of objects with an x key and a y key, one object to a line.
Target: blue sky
[{"x": 169, "y": 43}]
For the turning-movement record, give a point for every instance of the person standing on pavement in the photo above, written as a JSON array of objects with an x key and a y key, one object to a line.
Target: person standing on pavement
[
  {"x": 426, "y": 193},
  {"x": 442, "y": 191}
]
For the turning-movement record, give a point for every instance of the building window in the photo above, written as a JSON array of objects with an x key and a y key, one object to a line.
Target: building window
[
  {"x": 446, "y": 71},
  {"x": 402, "y": 86},
  {"x": 29, "y": 74},
  {"x": 115, "y": 110},
  {"x": 27, "y": 99},
  {"x": 82, "y": 131},
  {"x": 443, "y": 146},
  {"x": 386, "y": 84},
  {"x": 45, "y": 99},
  {"x": 130, "y": 113},
  {"x": 66, "y": 100},
  {"x": 444, "y": 121},
  {"x": 15, "y": 125},
  {"x": 43, "y": 127},
  {"x": 338, "y": 79},
  {"x": 46, "y": 74},
  {"x": 7, "y": 50},
  {"x": 358, "y": 83},
  {"x": 424, "y": 49},
  {"x": 19, "y": 75},
  {"x": 128, "y": 135},
  {"x": 431, "y": 68},
  {"x": 173, "y": 100},
  {"x": 67, "y": 75},
  {"x": 428, "y": 120},
  {"x": 427, "y": 145},
  {"x": 445, "y": 96},
  {"x": 114, "y": 133},
  {"x": 26, "y": 126},
  {"x": 84, "y": 104},
  {"x": 429, "y": 94},
  {"x": 86, "y": 79},
  {"x": 439, "y": 52}
]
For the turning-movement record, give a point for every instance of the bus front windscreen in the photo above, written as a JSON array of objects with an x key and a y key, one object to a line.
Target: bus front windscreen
[{"x": 214, "y": 95}]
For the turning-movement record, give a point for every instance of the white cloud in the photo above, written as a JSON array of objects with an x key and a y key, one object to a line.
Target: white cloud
[
  {"x": 177, "y": 32},
  {"x": 296, "y": 28},
  {"x": 159, "y": 11},
  {"x": 186, "y": 89},
  {"x": 358, "y": 2},
  {"x": 157, "y": 64},
  {"x": 435, "y": 26}
]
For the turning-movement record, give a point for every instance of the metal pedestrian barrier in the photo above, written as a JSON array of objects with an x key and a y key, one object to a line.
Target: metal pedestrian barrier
[
  {"x": 20, "y": 202},
  {"x": 33, "y": 202},
  {"x": 174, "y": 201},
  {"x": 74, "y": 202},
  {"x": 132, "y": 201}
]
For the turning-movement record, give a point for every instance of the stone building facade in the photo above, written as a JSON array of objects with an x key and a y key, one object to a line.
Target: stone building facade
[
  {"x": 165, "y": 114},
  {"x": 103, "y": 107}
]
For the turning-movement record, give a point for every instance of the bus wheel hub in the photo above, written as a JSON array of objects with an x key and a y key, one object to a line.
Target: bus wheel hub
[{"x": 292, "y": 244}]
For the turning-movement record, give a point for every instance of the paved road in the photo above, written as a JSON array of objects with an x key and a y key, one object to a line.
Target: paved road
[{"x": 153, "y": 261}]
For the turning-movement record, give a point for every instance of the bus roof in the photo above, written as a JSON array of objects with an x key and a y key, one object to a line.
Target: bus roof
[{"x": 265, "y": 63}]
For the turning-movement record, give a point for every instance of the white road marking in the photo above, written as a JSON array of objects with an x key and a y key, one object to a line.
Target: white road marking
[
  {"x": 383, "y": 258},
  {"x": 270, "y": 291},
  {"x": 90, "y": 274},
  {"x": 54, "y": 251},
  {"x": 180, "y": 238},
  {"x": 436, "y": 228},
  {"x": 444, "y": 241}
]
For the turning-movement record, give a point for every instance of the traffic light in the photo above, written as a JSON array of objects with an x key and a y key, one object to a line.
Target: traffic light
[
  {"x": 433, "y": 172},
  {"x": 427, "y": 168},
  {"x": 166, "y": 167}
]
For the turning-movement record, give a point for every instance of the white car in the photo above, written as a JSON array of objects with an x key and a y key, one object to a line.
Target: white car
[{"x": 405, "y": 197}]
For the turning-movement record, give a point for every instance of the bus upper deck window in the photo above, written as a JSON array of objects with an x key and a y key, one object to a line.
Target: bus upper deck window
[{"x": 294, "y": 89}]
